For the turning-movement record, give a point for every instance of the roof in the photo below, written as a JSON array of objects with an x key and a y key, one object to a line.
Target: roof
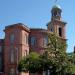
[
  {"x": 18, "y": 24},
  {"x": 56, "y": 7},
  {"x": 40, "y": 30}
]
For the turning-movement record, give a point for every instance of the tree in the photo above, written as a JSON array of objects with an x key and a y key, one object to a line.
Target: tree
[
  {"x": 30, "y": 63},
  {"x": 56, "y": 54},
  {"x": 54, "y": 58},
  {"x": 71, "y": 59}
]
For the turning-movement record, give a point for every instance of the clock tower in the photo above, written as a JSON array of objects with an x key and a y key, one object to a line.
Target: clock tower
[{"x": 56, "y": 24}]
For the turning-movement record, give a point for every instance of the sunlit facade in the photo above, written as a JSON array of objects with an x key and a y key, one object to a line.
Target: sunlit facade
[{"x": 20, "y": 40}]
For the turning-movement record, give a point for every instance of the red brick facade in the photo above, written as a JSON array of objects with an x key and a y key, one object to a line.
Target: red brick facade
[{"x": 20, "y": 40}]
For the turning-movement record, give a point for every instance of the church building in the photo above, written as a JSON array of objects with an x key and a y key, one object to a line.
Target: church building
[{"x": 20, "y": 40}]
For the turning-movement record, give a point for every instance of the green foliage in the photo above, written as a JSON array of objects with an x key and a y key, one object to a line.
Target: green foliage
[
  {"x": 73, "y": 69},
  {"x": 23, "y": 64},
  {"x": 54, "y": 59},
  {"x": 56, "y": 43},
  {"x": 57, "y": 54},
  {"x": 30, "y": 63},
  {"x": 34, "y": 63},
  {"x": 71, "y": 59}
]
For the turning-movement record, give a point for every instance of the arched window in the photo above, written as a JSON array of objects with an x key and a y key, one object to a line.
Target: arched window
[
  {"x": 12, "y": 37},
  {"x": 55, "y": 13},
  {"x": 59, "y": 13},
  {"x": 60, "y": 31},
  {"x": 33, "y": 41}
]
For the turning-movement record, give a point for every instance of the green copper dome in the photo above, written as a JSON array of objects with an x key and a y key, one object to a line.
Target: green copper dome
[{"x": 56, "y": 7}]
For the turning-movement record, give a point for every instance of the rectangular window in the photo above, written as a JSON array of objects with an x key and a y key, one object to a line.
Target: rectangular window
[
  {"x": 60, "y": 32},
  {"x": 26, "y": 39},
  {"x": 12, "y": 56},
  {"x": 46, "y": 72},
  {"x": 25, "y": 53},
  {"x": 33, "y": 41},
  {"x": 12, "y": 37},
  {"x": 12, "y": 71},
  {"x": 45, "y": 41},
  {"x": 0, "y": 49},
  {"x": 0, "y": 63}
]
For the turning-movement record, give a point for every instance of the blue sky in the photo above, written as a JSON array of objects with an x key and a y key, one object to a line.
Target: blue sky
[{"x": 37, "y": 13}]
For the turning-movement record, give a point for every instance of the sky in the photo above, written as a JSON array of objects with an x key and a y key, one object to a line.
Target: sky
[{"x": 36, "y": 14}]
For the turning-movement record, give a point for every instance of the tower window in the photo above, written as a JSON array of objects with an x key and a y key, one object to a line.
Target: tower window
[
  {"x": 55, "y": 13},
  {"x": 51, "y": 29},
  {"x": 59, "y": 14},
  {"x": 60, "y": 32}
]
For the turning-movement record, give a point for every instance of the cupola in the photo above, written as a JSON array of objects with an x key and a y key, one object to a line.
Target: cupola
[{"x": 56, "y": 12}]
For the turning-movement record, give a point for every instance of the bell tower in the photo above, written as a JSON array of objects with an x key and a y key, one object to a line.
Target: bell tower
[
  {"x": 56, "y": 12},
  {"x": 56, "y": 24}
]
